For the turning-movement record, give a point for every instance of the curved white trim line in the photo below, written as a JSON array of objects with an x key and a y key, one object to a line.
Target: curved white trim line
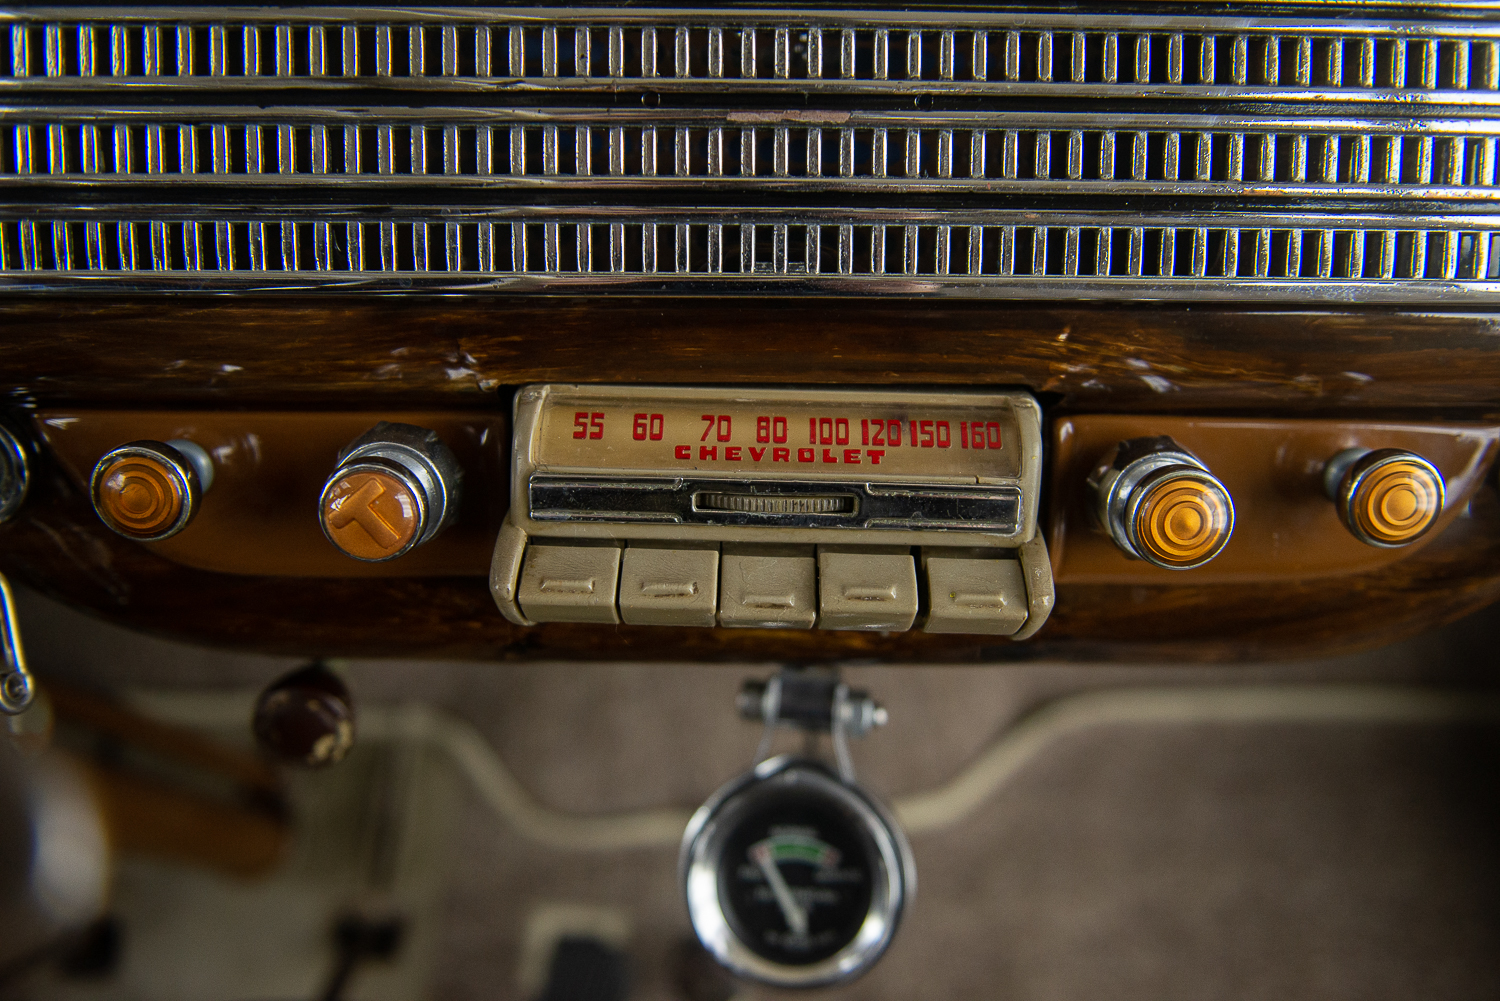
[{"x": 920, "y": 812}]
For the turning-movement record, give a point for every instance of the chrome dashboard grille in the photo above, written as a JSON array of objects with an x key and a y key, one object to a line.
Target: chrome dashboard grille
[
  {"x": 1070, "y": 53},
  {"x": 912, "y": 252},
  {"x": 811, "y": 151},
  {"x": 1288, "y": 155}
]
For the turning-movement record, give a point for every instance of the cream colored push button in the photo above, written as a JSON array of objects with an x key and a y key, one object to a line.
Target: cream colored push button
[
  {"x": 768, "y": 587},
  {"x": 562, "y": 583},
  {"x": 975, "y": 596},
  {"x": 669, "y": 584},
  {"x": 866, "y": 588}
]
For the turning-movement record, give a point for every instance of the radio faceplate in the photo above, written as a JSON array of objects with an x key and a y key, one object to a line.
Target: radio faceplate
[
  {"x": 837, "y": 466},
  {"x": 775, "y": 509}
]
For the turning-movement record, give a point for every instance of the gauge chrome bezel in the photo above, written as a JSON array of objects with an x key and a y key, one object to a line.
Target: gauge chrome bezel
[{"x": 893, "y": 882}]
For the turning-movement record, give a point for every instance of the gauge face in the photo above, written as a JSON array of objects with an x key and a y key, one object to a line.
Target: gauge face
[{"x": 794, "y": 877}]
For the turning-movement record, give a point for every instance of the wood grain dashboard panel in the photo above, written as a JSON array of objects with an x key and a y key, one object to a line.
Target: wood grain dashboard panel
[
  {"x": 242, "y": 357},
  {"x": 421, "y": 352},
  {"x": 59, "y": 547}
]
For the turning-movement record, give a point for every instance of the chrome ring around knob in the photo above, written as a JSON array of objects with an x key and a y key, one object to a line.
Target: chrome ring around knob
[
  {"x": 15, "y": 473},
  {"x": 1161, "y": 504},
  {"x": 1387, "y": 497},
  {"x": 151, "y": 490},
  {"x": 395, "y": 487}
]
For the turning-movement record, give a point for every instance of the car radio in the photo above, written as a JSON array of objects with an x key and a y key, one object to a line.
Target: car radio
[{"x": 775, "y": 508}]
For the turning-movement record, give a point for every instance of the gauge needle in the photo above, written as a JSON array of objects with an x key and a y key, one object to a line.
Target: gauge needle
[{"x": 796, "y": 917}]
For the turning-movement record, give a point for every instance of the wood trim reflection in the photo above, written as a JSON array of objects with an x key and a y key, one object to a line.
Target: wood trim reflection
[{"x": 418, "y": 352}]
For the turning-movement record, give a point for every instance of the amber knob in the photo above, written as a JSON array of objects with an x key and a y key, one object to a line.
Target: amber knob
[
  {"x": 395, "y": 487},
  {"x": 1160, "y": 504},
  {"x": 306, "y": 718},
  {"x": 150, "y": 490},
  {"x": 1386, "y": 497}
]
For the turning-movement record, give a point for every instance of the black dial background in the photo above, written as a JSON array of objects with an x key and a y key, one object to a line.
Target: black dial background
[{"x": 753, "y": 912}]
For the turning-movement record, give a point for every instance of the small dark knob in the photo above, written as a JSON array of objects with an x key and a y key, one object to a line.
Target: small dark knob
[
  {"x": 396, "y": 486},
  {"x": 306, "y": 718}
]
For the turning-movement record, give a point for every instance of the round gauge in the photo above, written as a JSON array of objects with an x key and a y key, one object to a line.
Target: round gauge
[{"x": 794, "y": 877}]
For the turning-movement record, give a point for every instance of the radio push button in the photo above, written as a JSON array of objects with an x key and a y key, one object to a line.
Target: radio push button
[
  {"x": 967, "y": 594},
  {"x": 570, "y": 582},
  {"x": 768, "y": 587},
  {"x": 1385, "y": 497},
  {"x": 150, "y": 490},
  {"x": 866, "y": 588},
  {"x": 1160, "y": 504},
  {"x": 396, "y": 486},
  {"x": 669, "y": 584}
]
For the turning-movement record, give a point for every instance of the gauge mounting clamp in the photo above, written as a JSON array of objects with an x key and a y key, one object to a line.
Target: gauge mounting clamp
[{"x": 794, "y": 875}]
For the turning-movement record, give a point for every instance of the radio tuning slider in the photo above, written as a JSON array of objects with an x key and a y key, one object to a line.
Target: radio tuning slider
[
  {"x": 395, "y": 487},
  {"x": 1160, "y": 504},
  {"x": 150, "y": 490},
  {"x": 1386, "y": 497}
]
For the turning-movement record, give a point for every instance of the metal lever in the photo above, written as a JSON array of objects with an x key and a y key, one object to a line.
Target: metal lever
[
  {"x": 811, "y": 701},
  {"x": 16, "y": 688}
]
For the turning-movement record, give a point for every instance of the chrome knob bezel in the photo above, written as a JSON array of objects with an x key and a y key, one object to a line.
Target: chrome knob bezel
[
  {"x": 15, "y": 473},
  {"x": 188, "y": 463},
  {"x": 1346, "y": 473},
  {"x": 1124, "y": 480}
]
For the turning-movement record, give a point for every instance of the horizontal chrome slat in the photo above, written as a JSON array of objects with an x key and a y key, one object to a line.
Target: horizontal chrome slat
[
  {"x": 848, "y": 151},
  {"x": 897, "y": 252},
  {"x": 819, "y": 51},
  {"x": 677, "y": 501}
]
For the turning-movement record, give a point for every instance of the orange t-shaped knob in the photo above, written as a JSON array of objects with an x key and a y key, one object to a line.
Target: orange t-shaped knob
[
  {"x": 396, "y": 486},
  {"x": 371, "y": 514}
]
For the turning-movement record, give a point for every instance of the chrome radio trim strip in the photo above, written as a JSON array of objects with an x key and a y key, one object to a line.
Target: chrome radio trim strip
[{"x": 672, "y": 501}]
